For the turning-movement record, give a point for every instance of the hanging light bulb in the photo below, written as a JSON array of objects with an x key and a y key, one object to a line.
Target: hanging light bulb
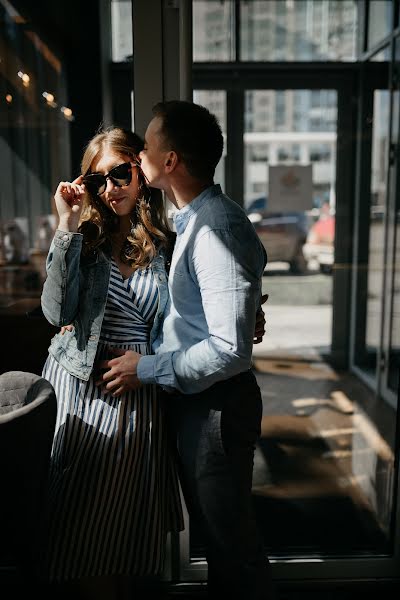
[
  {"x": 9, "y": 98},
  {"x": 67, "y": 112},
  {"x": 49, "y": 99},
  {"x": 25, "y": 78}
]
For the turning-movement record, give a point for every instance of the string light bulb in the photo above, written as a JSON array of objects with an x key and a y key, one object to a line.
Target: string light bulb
[
  {"x": 67, "y": 112},
  {"x": 49, "y": 99},
  {"x": 25, "y": 78}
]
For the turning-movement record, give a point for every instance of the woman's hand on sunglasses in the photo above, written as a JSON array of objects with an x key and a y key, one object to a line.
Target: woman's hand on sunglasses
[{"x": 69, "y": 203}]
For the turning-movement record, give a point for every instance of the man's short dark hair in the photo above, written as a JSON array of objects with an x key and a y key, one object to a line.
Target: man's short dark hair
[{"x": 193, "y": 133}]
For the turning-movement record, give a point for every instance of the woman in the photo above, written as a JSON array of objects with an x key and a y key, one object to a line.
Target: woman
[{"x": 113, "y": 489}]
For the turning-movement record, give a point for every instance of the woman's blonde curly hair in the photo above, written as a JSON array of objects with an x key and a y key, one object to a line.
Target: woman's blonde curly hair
[{"x": 150, "y": 229}]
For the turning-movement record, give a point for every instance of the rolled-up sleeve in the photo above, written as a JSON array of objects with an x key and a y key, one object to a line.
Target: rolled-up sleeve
[{"x": 227, "y": 269}]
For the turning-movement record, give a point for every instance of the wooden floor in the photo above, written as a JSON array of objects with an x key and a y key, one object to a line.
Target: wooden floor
[{"x": 325, "y": 462}]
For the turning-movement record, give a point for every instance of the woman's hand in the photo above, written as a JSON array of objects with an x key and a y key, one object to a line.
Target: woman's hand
[
  {"x": 69, "y": 203},
  {"x": 65, "y": 328}
]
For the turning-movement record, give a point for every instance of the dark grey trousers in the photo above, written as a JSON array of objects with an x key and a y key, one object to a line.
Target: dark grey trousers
[{"x": 216, "y": 433}]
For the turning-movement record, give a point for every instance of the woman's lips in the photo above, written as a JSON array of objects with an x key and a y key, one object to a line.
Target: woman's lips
[{"x": 115, "y": 201}]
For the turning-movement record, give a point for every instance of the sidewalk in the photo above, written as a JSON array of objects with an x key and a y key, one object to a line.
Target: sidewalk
[{"x": 304, "y": 330}]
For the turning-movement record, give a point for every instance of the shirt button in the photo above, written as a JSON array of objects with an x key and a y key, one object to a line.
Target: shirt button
[
  {"x": 93, "y": 337},
  {"x": 65, "y": 237}
]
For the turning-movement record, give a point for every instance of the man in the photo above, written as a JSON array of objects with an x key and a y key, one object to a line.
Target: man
[{"x": 203, "y": 355}]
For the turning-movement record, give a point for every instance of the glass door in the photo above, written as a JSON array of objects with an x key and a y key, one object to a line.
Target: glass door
[
  {"x": 324, "y": 471},
  {"x": 391, "y": 337},
  {"x": 324, "y": 468},
  {"x": 290, "y": 196},
  {"x": 372, "y": 273},
  {"x": 376, "y": 328}
]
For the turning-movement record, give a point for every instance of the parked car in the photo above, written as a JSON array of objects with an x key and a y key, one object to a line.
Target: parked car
[
  {"x": 282, "y": 234},
  {"x": 319, "y": 247}
]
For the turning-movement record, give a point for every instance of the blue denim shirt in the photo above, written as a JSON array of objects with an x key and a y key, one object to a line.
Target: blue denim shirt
[
  {"x": 215, "y": 290},
  {"x": 75, "y": 292}
]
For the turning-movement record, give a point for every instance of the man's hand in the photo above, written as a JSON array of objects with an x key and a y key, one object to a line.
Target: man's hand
[
  {"x": 259, "y": 329},
  {"x": 121, "y": 374}
]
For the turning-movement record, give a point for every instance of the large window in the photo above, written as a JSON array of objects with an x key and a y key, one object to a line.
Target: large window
[
  {"x": 324, "y": 478},
  {"x": 279, "y": 30},
  {"x": 121, "y": 30}
]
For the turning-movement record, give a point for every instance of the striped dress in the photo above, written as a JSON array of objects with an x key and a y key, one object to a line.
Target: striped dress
[{"x": 113, "y": 493}]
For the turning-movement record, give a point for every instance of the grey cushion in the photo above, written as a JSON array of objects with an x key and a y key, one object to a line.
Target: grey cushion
[
  {"x": 28, "y": 411},
  {"x": 17, "y": 389}
]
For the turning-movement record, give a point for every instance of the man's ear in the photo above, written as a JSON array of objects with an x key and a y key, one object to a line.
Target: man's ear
[{"x": 171, "y": 161}]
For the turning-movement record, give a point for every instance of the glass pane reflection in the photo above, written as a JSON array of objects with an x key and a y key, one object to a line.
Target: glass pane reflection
[
  {"x": 300, "y": 30},
  {"x": 290, "y": 127},
  {"x": 394, "y": 343},
  {"x": 121, "y": 30},
  {"x": 215, "y": 101},
  {"x": 213, "y": 31},
  {"x": 394, "y": 350},
  {"x": 380, "y": 13},
  {"x": 367, "y": 355}
]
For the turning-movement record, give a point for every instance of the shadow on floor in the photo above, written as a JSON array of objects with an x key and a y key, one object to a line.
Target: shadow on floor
[{"x": 324, "y": 466}]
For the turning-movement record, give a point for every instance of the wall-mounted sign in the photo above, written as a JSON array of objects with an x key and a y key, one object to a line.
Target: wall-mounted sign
[{"x": 290, "y": 188}]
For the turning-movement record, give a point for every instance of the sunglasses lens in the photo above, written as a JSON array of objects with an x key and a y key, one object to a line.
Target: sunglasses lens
[
  {"x": 121, "y": 175},
  {"x": 96, "y": 183}
]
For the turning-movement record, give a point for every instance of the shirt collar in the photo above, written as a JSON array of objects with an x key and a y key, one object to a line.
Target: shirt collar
[{"x": 182, "y": 217}]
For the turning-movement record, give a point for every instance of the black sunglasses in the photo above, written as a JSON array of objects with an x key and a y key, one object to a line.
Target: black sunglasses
[{"x": 121, "y": 175}]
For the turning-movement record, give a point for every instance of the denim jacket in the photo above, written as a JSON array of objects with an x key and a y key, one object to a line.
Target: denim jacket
[{"x": 75, "y": 292}]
